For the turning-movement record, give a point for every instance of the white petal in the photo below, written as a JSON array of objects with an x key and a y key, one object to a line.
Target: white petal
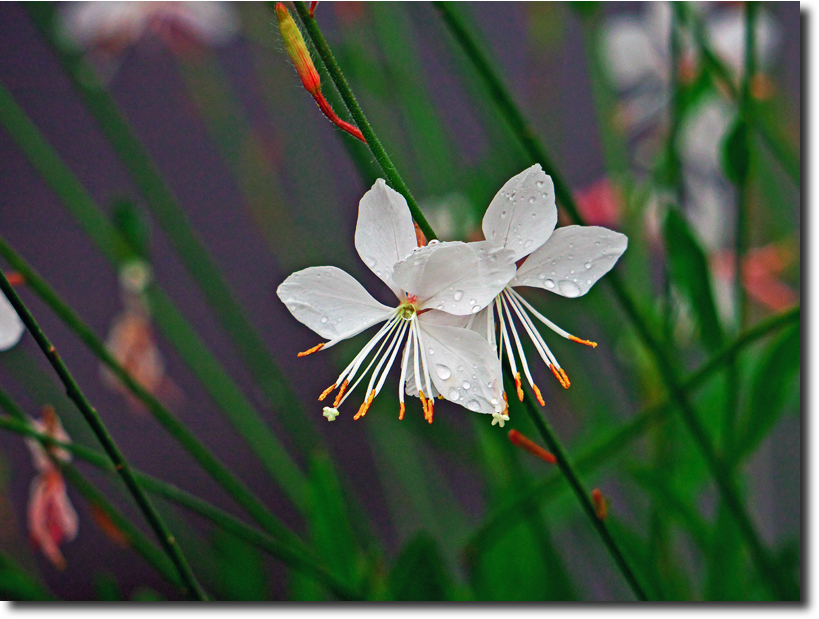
[
  {"x": 11, "y": 327},
  {"x": 384, "y": 233},
  {"x": 627, "y": 52},
  {"x": 573, "y": 259},
  {"x": 463, "y": 366},
  {"x": 331, "y": 302},
  {"x": 522, "y": 215},
  {"x": 454, "y": 277}
]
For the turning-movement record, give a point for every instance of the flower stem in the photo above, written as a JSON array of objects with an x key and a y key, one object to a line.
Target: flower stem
[
  {"x": 163, "y": 205},
  {"x": 581, "y": 493},
  {"x": 297, "y": 557},
  {"x": 166, "y": 540},
  {"x": 623, "y": 437},
  {"x": 526, "y": 136},
  {"x": 389, "y": 169},
  {"x": 212, "y": 465}
]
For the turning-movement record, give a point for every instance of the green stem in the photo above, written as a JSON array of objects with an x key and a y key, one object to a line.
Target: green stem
[
  {"x": 624, "y": 436},
  {"x": 93, "y": 419},
  {"x": 165, "y": 208},
  {"x": 389, "y": 169},
  {"x": 296, "y": 557},
  {"x": 580, "y": 492},
  {"x": 212, "y": 465},
  {"x": 212, "y": 375},
  {"x": 668, "y": 373}
]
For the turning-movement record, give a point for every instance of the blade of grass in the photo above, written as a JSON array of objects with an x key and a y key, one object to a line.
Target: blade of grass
[
  {"x": 176, "y": 328},
  {"x": 194, "y": 255},
  {"x": 782, "y": 586},
  {"x": 190, "y": 585},
  {"x": 297, "y": 555},
  {"x": 212, "y": 465}
]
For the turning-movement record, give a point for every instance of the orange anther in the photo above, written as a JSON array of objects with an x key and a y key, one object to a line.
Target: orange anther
[
  {"x": 566, "y": 384},
  {"x": 315, "y": 348},
  {"x": 365, "y": 406},
  {"x": 327, "y": 392},
  {"x": 519, "y": 388},
  {"x": 537, "y": 395},
  {"x": 340, "y": 393},
  {"x": 601, "y": 507},
  {"x": 533, "y": 448},
  {"x": 560, "y": 375},
  {"x": 428, "y": 416},
  {"x": 419, "y": 236},
  {"x": 586, "y": 342},
  {"x": 401, "y": 411}
]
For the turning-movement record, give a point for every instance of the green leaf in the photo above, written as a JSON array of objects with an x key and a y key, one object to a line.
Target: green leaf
[
  {"x": 133, "y": 226},
  {"x": 240, "y": 571},
  {"x": 689, "y": 270},
  {"x": 420, "y": 573},
  {"x": 106, "y": 588},
  {"x": 17, "y": 585},
  {"x": 771, "y": 382},
  {"x": 736, "y": 153}
]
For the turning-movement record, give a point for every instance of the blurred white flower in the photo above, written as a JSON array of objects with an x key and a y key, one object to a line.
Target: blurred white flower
[{"x": 11, "y": 327}]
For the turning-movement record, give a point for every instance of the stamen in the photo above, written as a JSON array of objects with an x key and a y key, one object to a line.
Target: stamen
[
  {"x": 519, "y": 346},
  {"x": 365, "y": 406},
  {"x": 312, "y": 350},
  {"x": 560, "y": 375},
  {"x": 428, "y": 417},
  {"x": 533, "y": 448},
  {"x": 327, "y": 392},
  {"x": 519, "y": 388},
  {"x": 341, "y": 393},
  {"x": 423, "y": 402},
  {"x": 601, "y": 508},
  {"x": 401, "y": 411},
  {"x": 537, "y": 395},
  {"x": 586, "y": 342}
]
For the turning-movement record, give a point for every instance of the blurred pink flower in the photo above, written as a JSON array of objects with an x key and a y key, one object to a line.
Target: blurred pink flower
[
  {"x": 761, "y": 269},
  {"x": 601, "y": 203},
  {"x": 52, "y": 519}
]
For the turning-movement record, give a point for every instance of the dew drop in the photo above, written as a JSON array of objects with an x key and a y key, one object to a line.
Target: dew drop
[
  {"x": 440, "y": 306},
  {"x": 528, "y": 244},
  {"x": 534, "y": 215},
  {"x": 459, "y": 294},
  {"x": 550, "y": 283},
  {"x": 472, "y": 301},
  {"x": 588, "y": 265},
  {"x": 494, "y": 401},
  {"x": 476, "y": 309},
  {"x": 588, "y": 281},
  {"x": 466, "y": 385},
  {"x": 503, "y": 213},
  {"x": 460, "y": 368},
  {"x": 539, "y": 183},
  {"x": 433, "y": 242},
  {"x": 453, "y": 394},
  {"x": 570, "y": 257},
  {"x": 597, "y": 243},
  {"x": 542, "y": 275},
  {"x": 569, "y": 289},
  {"x": 443, "y": 372},
  {"x": 473, "y": 405},
  {"x": 532, "y": 201},
  {"x": 431, "y": 351},
  {"x": 339, "y": 319},
  {"x": 571, "y": 272},
  {"x": 324, "y": 319}
]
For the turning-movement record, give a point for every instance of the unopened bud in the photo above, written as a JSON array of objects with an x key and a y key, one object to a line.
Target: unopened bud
[
  {"x": 533, "y": 448},
  {"x": 601, "y": 507},
  {"x": 297, "y": 50}
]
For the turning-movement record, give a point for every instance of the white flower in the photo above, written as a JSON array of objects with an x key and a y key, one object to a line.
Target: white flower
[
  {"x": 11, "y": 327},
  {"x": 430, "y": 283},
  {"x": 567, "y": 261}
]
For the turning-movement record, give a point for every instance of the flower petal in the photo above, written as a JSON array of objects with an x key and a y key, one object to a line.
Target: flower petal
[
  {"x": 454, "y": 277},
  {"x": 331, "y": 302},
  {"x": 522, "y": 215},
  {"x": 384, "y": 233},
  {"x": 11, "y": 327},
  {"x": 463, "y": 367},
  {"x": 573, "y": 260}
]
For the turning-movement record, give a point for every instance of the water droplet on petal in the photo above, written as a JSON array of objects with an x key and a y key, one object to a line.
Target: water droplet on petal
[
  {"x": 571, "y": 272},
  {"x": 460, "y": 368},
  {"x": 588, "y": 265},
  {"x": 324, "y": 319},
  {"x": 476, "y": 309},
  {"x": 503, "y": 213},
  {"x": 433, "y": 242},
  {"x": 532, "y": 201},
  {"x": 570, "y": 257},
  {"x": 473, "y": 405},
  {"x": 472, "y": 301},
  {"x": 569, "y": 289},
  {"x": 494, "y": 401},
  {"x": 542, "y": 275},
  {"x": 443, "y": 372},
  {"x": 528, "y": 244},
  {"x": 459, "y": 294},
  {"x": 597, "y": 243},
  {"x": 539, "y": 183},
  {"x": 466, "y": 385},
  {"x": 453, "y": 394},
  {"x": 339, "y": 319},
  {"x": 550, "y": 283},
  {"x": 431, "y": 351}
]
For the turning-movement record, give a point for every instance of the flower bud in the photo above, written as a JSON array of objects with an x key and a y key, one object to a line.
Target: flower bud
[{"x": 297, "y": 50}]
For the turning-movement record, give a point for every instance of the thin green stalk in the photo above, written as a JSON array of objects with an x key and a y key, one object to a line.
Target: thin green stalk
[
  {"x": 194, "y": 255},
  {"x": 168, "y": 542},
  {"x": 393, "y": 177},
  {"x": 212, "y": 465},
  {"x": 526, "y": 136},
  {"x": 212, "y": 375},
  {"x": 621, "y": 438},
  {"x": 580, "y": 492},
  {"x": 298, "y": 558}
]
